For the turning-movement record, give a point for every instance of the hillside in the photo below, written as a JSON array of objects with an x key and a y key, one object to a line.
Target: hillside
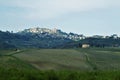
[
  {"x": 53, "y": 38},
  {"x": 60, "y": 64},
  {"x": 72, "y": 59},
  {"x": 54, "y": 33}
]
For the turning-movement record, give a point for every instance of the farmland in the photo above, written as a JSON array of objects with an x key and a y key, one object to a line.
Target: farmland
[
  {"x": 59, "y": 64},
  {"x": 72, "y": 59}
]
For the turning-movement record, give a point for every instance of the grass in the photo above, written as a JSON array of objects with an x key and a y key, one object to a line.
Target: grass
[
  {"x": 60, "y": 64},
  {"x": 104, "y": 59},
  {"x": 55, "y": 59},
  {"x": 72, "y": 59},
  {"x": 15, "y": 74}
]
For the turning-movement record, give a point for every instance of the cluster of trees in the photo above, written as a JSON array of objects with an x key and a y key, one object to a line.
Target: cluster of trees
[
  {"x": 16, "y": 40},
  {"x": 109, "y": 41},
  {"x": 102, "y": 42}
]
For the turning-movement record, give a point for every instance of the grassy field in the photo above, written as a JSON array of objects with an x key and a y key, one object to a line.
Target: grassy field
[
  {"x": 60, "y": 64},
  {"x": 72, "y": 59},
  {"x": 55, "y": 59}
]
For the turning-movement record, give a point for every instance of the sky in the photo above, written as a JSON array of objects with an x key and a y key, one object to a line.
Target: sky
[{"x": 88, "y": 17}]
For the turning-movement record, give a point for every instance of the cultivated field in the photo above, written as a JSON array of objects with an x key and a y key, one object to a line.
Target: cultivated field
[
  {"x": 55, "y": 59},
  {"x": 101, "y": 63},
  {"x": 72, "y": 59}
]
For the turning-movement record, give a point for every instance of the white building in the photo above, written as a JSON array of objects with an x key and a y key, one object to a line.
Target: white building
[{"x": 85, "y": 45}]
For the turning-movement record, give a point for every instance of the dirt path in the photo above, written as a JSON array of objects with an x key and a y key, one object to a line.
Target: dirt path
[{"x": 94, "y": 67}]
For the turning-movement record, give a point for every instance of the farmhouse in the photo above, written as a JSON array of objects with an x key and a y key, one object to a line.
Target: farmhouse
[{"x": 85, "y": 45}]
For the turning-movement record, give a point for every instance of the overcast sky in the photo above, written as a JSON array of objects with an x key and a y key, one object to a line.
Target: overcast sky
[{"x": 88, "y": 17}]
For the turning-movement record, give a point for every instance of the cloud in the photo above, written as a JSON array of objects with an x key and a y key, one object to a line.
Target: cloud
[{"x": 48, "y": 9}]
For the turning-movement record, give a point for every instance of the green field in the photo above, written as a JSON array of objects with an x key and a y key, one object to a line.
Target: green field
[
  {"x": 42, "y": 64},
  {"x": 72, "y": 59}
]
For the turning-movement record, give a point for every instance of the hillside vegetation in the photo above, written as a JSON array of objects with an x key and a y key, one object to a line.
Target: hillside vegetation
[{"x": 51, "y": 39}]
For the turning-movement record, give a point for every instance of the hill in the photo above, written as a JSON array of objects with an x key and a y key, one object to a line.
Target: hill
[
  {"x": 53, "y": 38},
  {"x": 54, "y": 33},
  {"x": 31, "y": 40}
]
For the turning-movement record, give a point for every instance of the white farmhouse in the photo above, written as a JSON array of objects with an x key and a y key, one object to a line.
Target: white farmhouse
[{"x": 85, "y": 45}]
